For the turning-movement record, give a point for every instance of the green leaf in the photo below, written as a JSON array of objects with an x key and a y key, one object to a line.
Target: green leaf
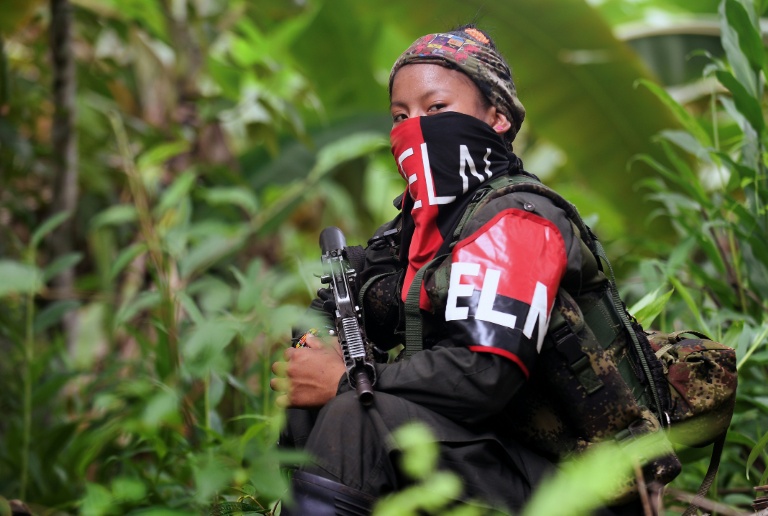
[
  {"x": 48, "y": 226},
  {"x": 432, "y": 496},
  {"x": 739, "y": 172},
  {"x": 593, "y": 477},
  {"x": 250, "y": 46},
  {"x": 745, "y": 102},
  {"x": 188, "y": 304},
  {"x": 420, "y": 451},
  {"x": 53, "y": 314},
  {"x": 211, "y": 475},
  {"x": 292, "y": 29},
  {"x": 114, "y": 216},
  {"x": 159, "y": 154},
  {"x": 97, "y": 500},
  {"x": 128, "y": 489},
  {"x": 650, "y": 306},
  {"x": 60, "y": 264},
  {"x": 757, "y": 342},
  {"x": 161, "y": 408},
  {"x": 750, "y": 40},
  {"x": 688, "y": 121},
  {"x": 125, "y": 257},
  {"x": 756, "y": 452},
  {"x": 346, "y": 149},
  {"x": 208, "y": 252},
  {"x": 688, "y": 143},
  {"x": 203, "y": 348},
  {"x": 143, "y": 301},
  {"x": 237, "y": 196},
  {"x": 737, "y": 60},
  {"x": 178, "y": 190},
  {"x": 683, "y": 175},
  {"x": 212, "y": 294},
  {"x": 18, "y": 278},
  {"x": 693, "y": 306}
]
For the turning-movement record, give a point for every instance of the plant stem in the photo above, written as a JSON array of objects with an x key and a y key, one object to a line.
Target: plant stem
[
  {"x": 29, "y": 356},
  {"x": 737, "y": 271},
  {"x": 755, "y": 344},
  {"x": 207, "y": 400},
  {"x": 154, "y": 246}
]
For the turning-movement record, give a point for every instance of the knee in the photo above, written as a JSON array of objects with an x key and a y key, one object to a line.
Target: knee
[{"x": 341, "y": 408}]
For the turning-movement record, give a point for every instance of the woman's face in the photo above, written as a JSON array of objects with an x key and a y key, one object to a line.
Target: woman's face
[{"x": 429, "y": 89}]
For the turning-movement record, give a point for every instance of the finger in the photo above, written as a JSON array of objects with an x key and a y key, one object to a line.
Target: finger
[
  {"x": 282, "y": 401},
  {"x": 280, "y": 384},
  {"x": 279, "y": 368},
  {"x": 289, "y": 352}
]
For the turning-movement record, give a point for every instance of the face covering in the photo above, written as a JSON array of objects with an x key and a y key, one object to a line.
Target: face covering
[{"x": 444, "y": 158}]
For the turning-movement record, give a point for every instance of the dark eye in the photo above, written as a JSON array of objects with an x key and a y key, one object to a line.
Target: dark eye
[
  {"x": 436, "y": 107},
  {"x": 398, "y": 118}
]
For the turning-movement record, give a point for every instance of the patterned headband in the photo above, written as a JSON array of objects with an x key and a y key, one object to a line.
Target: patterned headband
[{"x": 468, "y": 51}]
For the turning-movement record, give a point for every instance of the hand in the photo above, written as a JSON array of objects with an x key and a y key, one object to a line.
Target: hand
[{"x": 308, "y": 377}]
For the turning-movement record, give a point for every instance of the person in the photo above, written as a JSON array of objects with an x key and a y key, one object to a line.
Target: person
[{"x": 484, "y": 297}]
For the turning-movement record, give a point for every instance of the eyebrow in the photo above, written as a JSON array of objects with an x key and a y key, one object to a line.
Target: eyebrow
[{"x": 435, "y": 91}]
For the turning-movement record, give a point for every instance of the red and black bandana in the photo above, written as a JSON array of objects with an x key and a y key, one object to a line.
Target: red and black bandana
[{"x": 444, "y": 158}]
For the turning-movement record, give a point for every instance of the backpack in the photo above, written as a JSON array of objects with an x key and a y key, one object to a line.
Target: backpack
[{"x": 598, "y": 360}]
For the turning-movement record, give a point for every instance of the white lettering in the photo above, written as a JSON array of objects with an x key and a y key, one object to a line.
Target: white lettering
[
  {"x": 407, "y": 153},
  {"x": 465, "y": 158},
  {"x": 457, "y": 289},
  {"x": 538, "y": 312},
  {"x": 485, "y": 311},
  {"x": 487, "y": 163},
  {"x": 431, "y": 198}
]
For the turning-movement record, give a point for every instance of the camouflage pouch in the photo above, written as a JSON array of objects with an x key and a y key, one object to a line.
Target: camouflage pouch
[
  {"x": 577, "y": 395},
  {"x": 701, "y": 377}
]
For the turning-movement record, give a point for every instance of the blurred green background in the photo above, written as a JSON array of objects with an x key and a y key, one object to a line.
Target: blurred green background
[{"x": 167, "y": 165}]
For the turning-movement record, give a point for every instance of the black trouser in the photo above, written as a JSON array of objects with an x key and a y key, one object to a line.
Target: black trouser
[{"x": 352, "y": 445}]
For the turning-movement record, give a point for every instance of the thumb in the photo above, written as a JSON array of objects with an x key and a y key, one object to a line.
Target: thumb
[
  {"x": 326, "y": 343},
  {"x": 314, "y": 342}
]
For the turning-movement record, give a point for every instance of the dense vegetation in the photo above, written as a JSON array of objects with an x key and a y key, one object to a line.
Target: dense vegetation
[{"x": 156, "y": 248}]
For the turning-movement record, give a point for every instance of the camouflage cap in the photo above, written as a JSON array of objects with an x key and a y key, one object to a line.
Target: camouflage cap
[{"x": 471, "y": 51}]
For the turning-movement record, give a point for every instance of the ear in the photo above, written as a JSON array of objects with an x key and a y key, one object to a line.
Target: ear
[{"x": 500, "y": 123}]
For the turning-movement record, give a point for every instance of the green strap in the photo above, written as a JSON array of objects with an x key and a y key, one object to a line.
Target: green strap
[
  {"x": 413, "y": 334},
  {"x": 494, "y": 184},
  {"x": 619, "y": 306}
]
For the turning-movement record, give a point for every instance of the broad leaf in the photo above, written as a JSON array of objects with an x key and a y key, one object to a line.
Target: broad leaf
[
  {"x": 18, "y": 278},
  {"x": 745, "y": 102},
  {"x": 750, "y": 40}
]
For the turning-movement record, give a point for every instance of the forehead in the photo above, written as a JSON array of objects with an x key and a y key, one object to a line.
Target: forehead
[{"x": 417, "y": 78}]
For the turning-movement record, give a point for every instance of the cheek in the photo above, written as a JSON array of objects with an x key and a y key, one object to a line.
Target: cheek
[{"x": 486, "y": 113}]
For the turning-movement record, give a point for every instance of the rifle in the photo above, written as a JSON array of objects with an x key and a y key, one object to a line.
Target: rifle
[{"x": 341, "y": 277}]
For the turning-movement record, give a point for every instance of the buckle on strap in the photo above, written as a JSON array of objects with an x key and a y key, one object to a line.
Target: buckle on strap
[{"x": 567, "y": 344}]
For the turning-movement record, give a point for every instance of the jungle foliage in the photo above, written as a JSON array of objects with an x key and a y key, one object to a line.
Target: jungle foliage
[{"x": 215, "y": 139}]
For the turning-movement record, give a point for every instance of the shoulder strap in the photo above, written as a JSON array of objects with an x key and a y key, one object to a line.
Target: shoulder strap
[
  {"x": 413, "y": 333},
  {"x": 709, "y": 477},
  {"x": 493, "y": 185}
]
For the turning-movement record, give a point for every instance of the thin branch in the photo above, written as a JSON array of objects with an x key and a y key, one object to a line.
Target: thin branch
[{"x": 64, "y": 142}]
